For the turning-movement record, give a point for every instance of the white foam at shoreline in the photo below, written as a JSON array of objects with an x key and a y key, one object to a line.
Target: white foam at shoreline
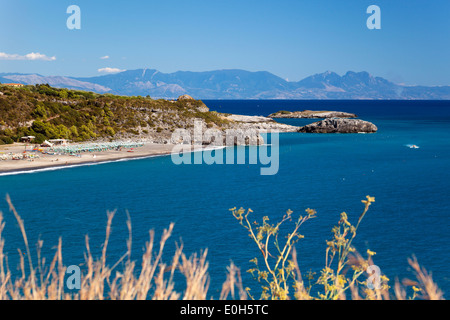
[{"x": 70, "y": 166}]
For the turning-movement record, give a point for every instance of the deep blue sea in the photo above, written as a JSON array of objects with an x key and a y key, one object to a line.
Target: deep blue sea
[{"x": 330, "y": 173}]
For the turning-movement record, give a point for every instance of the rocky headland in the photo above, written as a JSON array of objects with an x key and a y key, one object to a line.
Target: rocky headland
[
  {"x": 337, "y": 125},
  {"x": 260, "y": 123},
  {"x": 46, "y": 113},
  {"x": 309, "y": 114}
]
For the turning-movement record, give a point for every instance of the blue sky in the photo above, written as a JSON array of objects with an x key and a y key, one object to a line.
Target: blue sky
[{"x": 290, "y": 38}]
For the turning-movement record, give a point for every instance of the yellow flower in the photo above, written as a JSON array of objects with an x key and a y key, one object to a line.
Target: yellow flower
[
  {"x": 369, "y": 200},
  {"x": 416, "y": 289},
  {"x": 311, "y": 213}
]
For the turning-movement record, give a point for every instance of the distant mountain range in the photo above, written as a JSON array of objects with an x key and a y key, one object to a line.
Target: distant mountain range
[{"x": 237, "y": 84}]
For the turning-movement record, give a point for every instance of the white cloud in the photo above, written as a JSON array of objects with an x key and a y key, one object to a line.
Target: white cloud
[
  {"x": 110, "y": 70},
  {"x": 29, "y": 56},
  {"x": 104, "y": 57}
]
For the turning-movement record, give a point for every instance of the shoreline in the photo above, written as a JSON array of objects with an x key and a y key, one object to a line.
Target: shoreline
[
  {"x": 36, "y": 161},
  {"x": 54, "y": 162},
  {"x": 58, "y": 162}
]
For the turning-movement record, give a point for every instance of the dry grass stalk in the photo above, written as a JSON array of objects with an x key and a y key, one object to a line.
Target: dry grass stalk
[
  {"x": 427, "y": 287},
  {"x": 100, "y": 281},
  {"x": 233, "y": 280},
  {"x": 155, "y": 280}
]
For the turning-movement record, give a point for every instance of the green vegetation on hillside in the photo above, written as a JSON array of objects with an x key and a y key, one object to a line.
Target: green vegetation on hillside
[{"x": 50, "y": 113}]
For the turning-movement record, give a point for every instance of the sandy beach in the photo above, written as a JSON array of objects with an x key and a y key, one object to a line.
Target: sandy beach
[{"x": 58, "y": 160}]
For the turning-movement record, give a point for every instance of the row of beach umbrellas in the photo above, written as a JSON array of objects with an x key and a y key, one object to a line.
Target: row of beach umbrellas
[
  {"x": 93, "y": 147},
  {"x": 18, "y": 156}
]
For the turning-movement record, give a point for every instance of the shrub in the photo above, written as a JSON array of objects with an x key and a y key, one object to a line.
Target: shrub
[
  {"x": 40, "y": 112},
  {"x": 39, "y": 138},
  {"x": 110, "y": 131},
  {"x": 6, "y": 140}
]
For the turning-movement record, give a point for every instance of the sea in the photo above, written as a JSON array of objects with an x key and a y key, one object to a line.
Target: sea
[{"x": 330, "y": 173}]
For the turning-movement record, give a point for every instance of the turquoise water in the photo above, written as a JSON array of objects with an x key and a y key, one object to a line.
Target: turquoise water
[{"x": 326, "y": 172}]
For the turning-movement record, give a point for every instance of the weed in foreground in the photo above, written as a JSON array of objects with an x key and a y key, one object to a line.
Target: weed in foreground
[
  {"x": 342, "y": 276},
  {"x": 279, "y": 273}
]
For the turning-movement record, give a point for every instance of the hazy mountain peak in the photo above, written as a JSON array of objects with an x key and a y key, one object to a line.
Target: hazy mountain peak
[{"x": 238, "y": 84}]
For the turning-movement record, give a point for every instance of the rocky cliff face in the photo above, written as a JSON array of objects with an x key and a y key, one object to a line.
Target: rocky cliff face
[
  {"x": 336, "y": 125},
  {"x": 262, "y": 124}
]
